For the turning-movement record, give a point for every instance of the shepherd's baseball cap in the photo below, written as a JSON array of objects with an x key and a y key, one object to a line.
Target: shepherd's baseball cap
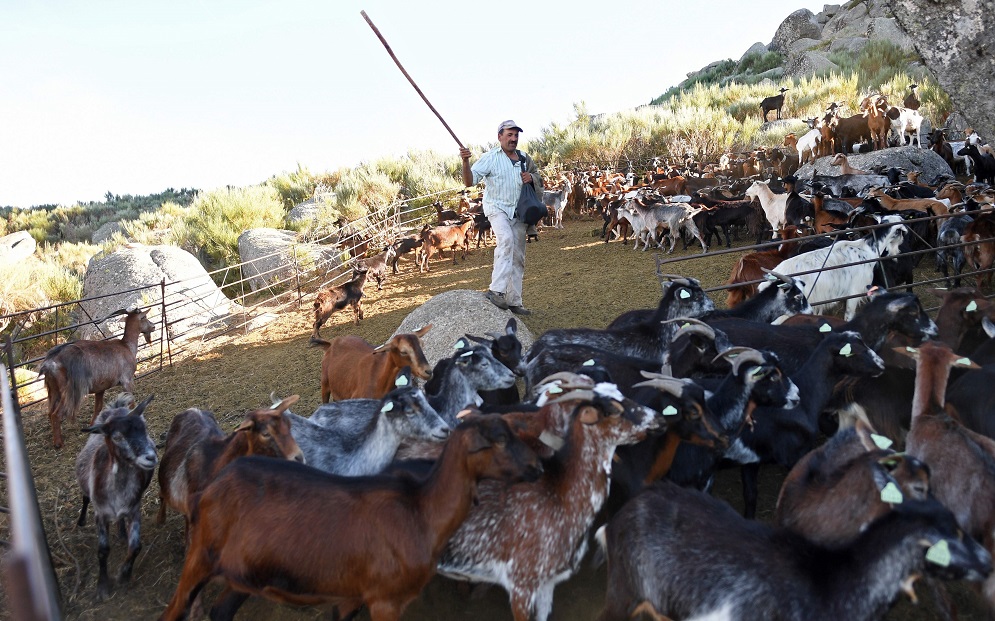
[{"x": 509, "y": 124}]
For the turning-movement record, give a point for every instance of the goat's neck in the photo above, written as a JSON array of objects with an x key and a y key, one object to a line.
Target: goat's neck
[
  {"x": 447, "y": 494},
  {"x": 930, "y": 388},
  {"x": 233, "y": 446},
  {"x": 664, "y": 458},
  {"x": 454, "y": 394},
  {"x": 815, "y": 380},
  {"x": 132, "y": 330},
  {"x": 729, "y": 402},
  {"x": 873, "y": 335}
]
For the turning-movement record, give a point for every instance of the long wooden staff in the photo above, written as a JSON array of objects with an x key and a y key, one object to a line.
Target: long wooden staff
[{"x": 401, "y": 67}]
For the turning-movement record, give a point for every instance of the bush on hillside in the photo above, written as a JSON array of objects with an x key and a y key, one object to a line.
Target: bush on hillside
[{"x": 217, "y": 218}]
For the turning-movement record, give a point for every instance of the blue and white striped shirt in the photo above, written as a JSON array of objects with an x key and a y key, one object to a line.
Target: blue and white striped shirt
[{"x": 503, "y": 181}]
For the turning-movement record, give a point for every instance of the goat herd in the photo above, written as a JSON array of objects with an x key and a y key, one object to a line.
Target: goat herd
[{"x": 617, "y": 438}]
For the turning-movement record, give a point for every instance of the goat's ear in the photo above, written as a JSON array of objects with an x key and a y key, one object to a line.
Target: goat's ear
[
  {"x": 247, "y": 424},
  {"x": 477, "y": 442},
  {"x": 93, "y": 429},
  {"x": 512, "y": 327},
  {"x": 423, "y": 331}
]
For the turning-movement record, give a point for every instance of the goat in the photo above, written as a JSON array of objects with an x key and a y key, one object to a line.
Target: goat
[
  {"x": 376, "y": 266},
  {"x": 960, "y": 320},
  {"x": 827, "y": 220},
  {"x": 646, "y": 218},
  {"x": 774, "y": 205},
  {"x": 845, "y": 168},
  {"x": 829, "y": 282},
  {"x": 402, "y": 247},
  {"x": 531, "y": 536},
  {"x": 911, "y": 100},
  {"x": 720, "y": 213},
  {"x": 351, "y": 368},
  {"x": 807, "y": 145},
  {"x": 937, "y": 207},
  {"x": 984, "y": 164},
  {"x": 940, "y": 146},
  {"x": 358, "y": 437},
  {"x": 850, "y": 130},
  {"x": 748, "y": 271},
  {"x": 842, "y": 186},
  {"x": 681, "y": 553},
  {"x": 507, "y": 349},
  {"x": 833, "y": 493},
  {"x": 682, "y": 297},
  {"x": 875, "y": 108},
  {"x": 113, "y": 470},
  {"x": 775, "y": 102},
  {"x": 73, "y": 370},
  {"x": 905, "y": 125},
  {"x": 349, "y": 293},
  {"x": 442, "y": 237},
  {"x": 196, "y": 450},
  {"x": 948, "y": 249},
  {"x": 980, "y": 234},
  {"x": 962, "y": 462},
  {"x": 556, "y": 202},
  {"x": 444, "y": 215},
  {"x": 456, "y": 380},
  {"x": 246, "y": 527}
]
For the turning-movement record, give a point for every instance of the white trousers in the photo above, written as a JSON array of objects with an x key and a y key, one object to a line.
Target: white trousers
[{"x": 509, "y": 257}]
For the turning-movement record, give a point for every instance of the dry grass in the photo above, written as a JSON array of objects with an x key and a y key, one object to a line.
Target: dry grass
[{"x": 572, "y": 279}]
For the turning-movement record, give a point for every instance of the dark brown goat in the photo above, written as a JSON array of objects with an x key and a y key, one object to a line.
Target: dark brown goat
[
  {"x": 402, "y": 247},
  {"x": 751, "y": 267},
  {"x": 338, "y": 297},
  {"x": 775, "y": 102},
  {"x": 73, "y": 370},
  {"x": 981, "y": 253},
  {"x": 442, "y": 237},
  {"x": 388, "y": 534},
  {"x": 196, "y": 450}
]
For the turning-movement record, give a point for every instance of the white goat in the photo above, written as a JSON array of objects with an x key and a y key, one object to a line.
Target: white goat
[
  {"x": 646, "y": 219},
  {"x": 808, "y": 144},
  {"x": 775, "y": 205},
  {"x": 905, "y": 122},
  {"x": 831, "y": 281}
]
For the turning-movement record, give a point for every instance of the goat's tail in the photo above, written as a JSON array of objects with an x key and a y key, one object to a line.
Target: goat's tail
[{"x": 314, "y": 341}]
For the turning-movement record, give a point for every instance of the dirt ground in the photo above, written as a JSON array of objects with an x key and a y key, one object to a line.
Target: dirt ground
[{"x": 572, "y": 279}]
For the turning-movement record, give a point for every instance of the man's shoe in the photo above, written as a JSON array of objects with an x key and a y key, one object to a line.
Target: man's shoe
[
  {"x": 497, "y": 299},
  {"x": 519, "y": 310}
]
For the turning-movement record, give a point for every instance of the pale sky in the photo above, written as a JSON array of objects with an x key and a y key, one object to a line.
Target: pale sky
[{"x": 135, "y": 97}]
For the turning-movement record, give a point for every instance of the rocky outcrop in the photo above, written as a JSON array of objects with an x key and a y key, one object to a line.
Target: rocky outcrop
[
  {"x": 269, "y": 256},
  {"x": 16, "y": 247},
  {"x": 194, "y": 303},
  {"x": 909, "y": 158},
  {"x": 105, "y": 232},
  {"x": 454, "y": 314},
  {"x": 808, "y": 63},
  {"x": 304, "y": 212},
  {"x": 799, "y": 25},
  {"x": 955, "y": 40},
  {"x": 756, "y": 48}
]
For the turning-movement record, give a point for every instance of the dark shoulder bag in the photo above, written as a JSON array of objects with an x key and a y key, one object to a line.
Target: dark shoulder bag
[{"x": 530, "y": 209}]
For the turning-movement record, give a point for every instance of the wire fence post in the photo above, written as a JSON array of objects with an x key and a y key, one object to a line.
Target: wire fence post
[{"x": 297, "y": 276}]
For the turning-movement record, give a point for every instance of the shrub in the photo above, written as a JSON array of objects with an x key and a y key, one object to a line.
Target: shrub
[{"x": 218, "y": 217}]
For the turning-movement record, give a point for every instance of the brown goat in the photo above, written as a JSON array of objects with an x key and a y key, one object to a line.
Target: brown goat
[
  {"x": 73, "y": 370},
  {"x": 901, "y": 204},
  {"x": 875, "y": 109},
  {"x": 442, "y": 237},
  {"x": 351, "y": 368},
  {"x": 833, "y": 493},
  {"x": 824, "y": 219},
  {"x": 388, "y": 534},
  {"x": 333, "y": 299},
  {"x": 959, "y": 320},
  {"x": 196, "y": 450},
  {"x": 981, "y": 253},
  {"x": 751, "y": 267},
  {"x": 845, "y": 168},
  {"x": 962, "y": 462}
]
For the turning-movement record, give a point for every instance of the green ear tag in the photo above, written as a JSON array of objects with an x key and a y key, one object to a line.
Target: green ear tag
[
  {"x": 882, "y": 442},
  {"x": 970, "y": 308},
  {"x": 469, "y": 353},
  {"x": 401, "y": 381},
  {"x": 964, "y": 361},
  {"x": 891, "y": 494},
  {"x": 685, "y": 294},
  {"x": 459, "y": 344},
  {"x": 939, "y": 553},
  {"x": 686, "y": 325},
  {"x": 825, "y": 328},
  {"x": 669, "y": 411},
  {"x": 387, "y": 407},
  {"x": 911, "y": 350},
  {"x": 771, "y": 277},
  {"x": 554, "y": 390},
  {"x": 846, "y": 350},
  {"x": 588, "y": 363}
]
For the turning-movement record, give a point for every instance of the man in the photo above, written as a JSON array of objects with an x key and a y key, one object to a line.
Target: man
[{"x": 503, "y": 173}]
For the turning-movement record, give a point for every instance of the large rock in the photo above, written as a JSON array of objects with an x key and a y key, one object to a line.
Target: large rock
[
  {"x": 756, "y": 48},
  {"x": 848, "y": 45},
  {"x": 105, "y": 232},
  {"x": 955, "y": 40},
  {"x": 802, "y": 45},
  {"x": 269, "y": 256},
  {"x": 799, "y": 25},
  {"x": 16, "y": 247},
  {"x": 910, "y": 158},
  {"x": 887, "y": 28},
  {"x": 808, "y": 63},
  {"x": 454, "y": 314},
  {"x": 194, "y": 303},
  {"x": 847, "y": 23},
  {"x": 304, "y": 212}
]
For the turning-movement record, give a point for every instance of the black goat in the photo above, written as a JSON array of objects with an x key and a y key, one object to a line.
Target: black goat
[
  {"x": 775, "y": 102},
  {"x": 333, "y": 299},
  {"x": 682, "y": 297},
  {"x": 984, "y": 164},
  {"x": 507, "y": 349},
  {"x": 404, "y": 246}
]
